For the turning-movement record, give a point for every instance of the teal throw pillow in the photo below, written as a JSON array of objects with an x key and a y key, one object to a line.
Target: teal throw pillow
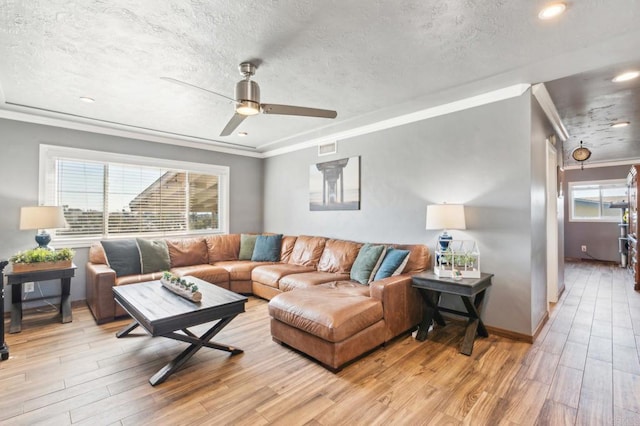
[
  {"x": 154, "y": 255},
  {"x": 122, "y": 256},
  {"x": 367, "y": 263},
  {"x": 393, "y": 263},
  {"x": 247, "y": 244},
  {"x": 267, "y": 248}
]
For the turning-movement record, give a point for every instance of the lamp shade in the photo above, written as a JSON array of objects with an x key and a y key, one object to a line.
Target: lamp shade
[
  {"x": 42, "y": 217},
  {"x": 445, "y": 216}
]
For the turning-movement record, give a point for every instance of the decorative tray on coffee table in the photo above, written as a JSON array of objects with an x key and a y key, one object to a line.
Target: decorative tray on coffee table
[{"x": 181, "y": 287}]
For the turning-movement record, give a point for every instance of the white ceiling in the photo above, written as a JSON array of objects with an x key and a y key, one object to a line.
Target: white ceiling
[{"x": 368, "y": 60}]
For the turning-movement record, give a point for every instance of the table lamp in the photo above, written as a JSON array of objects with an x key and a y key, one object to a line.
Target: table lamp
[
  {"x": 445, "y": 216},
  {"x": 42, "y": 218}
]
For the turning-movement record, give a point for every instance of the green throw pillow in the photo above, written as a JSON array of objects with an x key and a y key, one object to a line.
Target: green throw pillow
[
  {"x": 247, "y": 244},
  {"x": 367, "y": 263},
  {"x": 154, "y": 255},
  {"x": 267, "y": 248}
]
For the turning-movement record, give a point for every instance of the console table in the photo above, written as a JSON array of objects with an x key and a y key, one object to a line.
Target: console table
[
  {"x": 16, "y": 279},
  {"x": 470, "y": 290}
]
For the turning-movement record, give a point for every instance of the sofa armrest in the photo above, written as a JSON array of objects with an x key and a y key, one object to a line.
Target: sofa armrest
[
  {"x": 401, "y": 303},
  {"x": 100, "y": 281}
]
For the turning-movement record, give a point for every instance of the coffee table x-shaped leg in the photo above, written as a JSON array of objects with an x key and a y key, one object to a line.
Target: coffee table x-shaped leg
[{"x": 196, "y": 344}]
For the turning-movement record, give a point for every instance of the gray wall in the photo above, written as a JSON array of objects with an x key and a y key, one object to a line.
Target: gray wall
[
  {"x": 540, "y": 130},
  {"x": 481, "y": 157},
  {"x": 19, "y": 171},
  {"x": 601, "y": 239}
]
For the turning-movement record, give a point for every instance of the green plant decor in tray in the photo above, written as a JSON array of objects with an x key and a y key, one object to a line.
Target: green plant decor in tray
[
  {"x": 41, "y": 259},
  {"x": 40, "y": 255}
]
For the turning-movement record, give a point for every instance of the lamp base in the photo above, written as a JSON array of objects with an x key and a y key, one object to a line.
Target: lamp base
[
  {"x": 43, "y": 239},
  {"x": 444, "y": 241}
]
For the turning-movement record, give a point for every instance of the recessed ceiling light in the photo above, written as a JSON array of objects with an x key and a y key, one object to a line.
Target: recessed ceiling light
[
  {"x": 242, "y": 134},
  {"x": 626, "y": 76},
  {"x": 620, "y": 124},
  {"x": 552, "y": 10},
  {"x": 87, "y": 99}
]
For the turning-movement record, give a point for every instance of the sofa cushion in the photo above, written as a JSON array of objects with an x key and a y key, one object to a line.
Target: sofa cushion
[
  {"x": 187, "y": 252},
  {"x": 393, "y": 263},
  {"x": 307, "y": 251},
  {"x": 247, "y": 244},
  {"x": 338, "y": 256},
  {"x": 96, "y": 254},
  {"x": 137, "y": 278},
  {"x": 154, "y": 255},
  {"x": 267, "y": 248},
  {"x": 271, "y": 274},
  {"x": 209, "y": 273},
  {"x": 288, "y": 242},
  {"x": 351, "y": 287},
  {"x": 367, "y": 263},
  {"x": 419, "y": 258},
  {"x": 309, "y": 279},
  {"x": 122, "y": 256},
  {"x": 223, "y": 247},
  {"x": 330, "y": 315},
  {"x": 239, "y": 270}
]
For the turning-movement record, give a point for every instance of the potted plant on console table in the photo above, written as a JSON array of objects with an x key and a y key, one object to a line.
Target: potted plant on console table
[{"x": 41, "y": 259}]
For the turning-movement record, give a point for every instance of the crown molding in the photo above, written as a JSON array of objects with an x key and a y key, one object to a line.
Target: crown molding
[
  {"x": 124, "y": 131},
  {"x": 448, "y": 108},
  {"x": 541, "y": 94},
  {"x": 592, "y": 165}
]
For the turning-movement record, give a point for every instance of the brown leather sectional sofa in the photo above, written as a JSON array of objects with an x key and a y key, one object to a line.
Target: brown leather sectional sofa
[{"x": 328, "y": 316}]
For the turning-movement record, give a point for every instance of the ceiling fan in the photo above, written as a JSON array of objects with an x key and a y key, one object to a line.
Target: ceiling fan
[{"x": 247, "y": 101}]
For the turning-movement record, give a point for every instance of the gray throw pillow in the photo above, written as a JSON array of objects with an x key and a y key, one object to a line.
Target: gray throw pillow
[
  {"x": 154, "y": 255},
  {"x": 122, "y": 256},
  {"x": 367, "y": 263}
]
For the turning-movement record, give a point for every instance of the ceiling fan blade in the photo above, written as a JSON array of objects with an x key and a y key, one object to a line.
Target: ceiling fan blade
[
  {"x": 297, "y": 110},
  {"x": 232, "y": 124},
  {"x": 193, "y": 86}
]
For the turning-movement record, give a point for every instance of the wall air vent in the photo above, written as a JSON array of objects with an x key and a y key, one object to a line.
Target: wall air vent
[{"x": 328, "y": 148}]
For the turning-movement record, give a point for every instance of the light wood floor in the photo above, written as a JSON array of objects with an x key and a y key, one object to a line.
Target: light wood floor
[{"x": 584, "y": 369}]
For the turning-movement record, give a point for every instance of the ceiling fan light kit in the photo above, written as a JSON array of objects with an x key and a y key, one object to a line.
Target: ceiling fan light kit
[{"x": 248, "y": 108}]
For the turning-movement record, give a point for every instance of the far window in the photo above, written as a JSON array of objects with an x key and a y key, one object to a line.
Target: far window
[
  {"x": 109, "y": 195},
  {"x": 597, "y": 201}
]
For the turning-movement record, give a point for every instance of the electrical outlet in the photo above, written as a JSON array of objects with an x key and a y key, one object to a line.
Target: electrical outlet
[
  {"x": 584, "y": 249},
  {"x": 28, "y": 287}
]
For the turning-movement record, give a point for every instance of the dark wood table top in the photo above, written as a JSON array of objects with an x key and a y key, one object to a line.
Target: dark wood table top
[
  {"x": 40, "y": 275},
  {"x": 161, "y": 311},
  {"x": 464, "y": 287}
]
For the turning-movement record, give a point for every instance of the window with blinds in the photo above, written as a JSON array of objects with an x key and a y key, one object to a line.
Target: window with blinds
[
  {"x": 597, "y": 201},
  {"x": 131, "y": 195}
]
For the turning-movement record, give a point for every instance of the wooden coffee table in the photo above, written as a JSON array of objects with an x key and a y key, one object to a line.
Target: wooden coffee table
[{"x": 161, "y": 313}]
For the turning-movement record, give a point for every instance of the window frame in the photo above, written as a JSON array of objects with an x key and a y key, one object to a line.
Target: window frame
[
  {"x": 47, "y": 185},
  {"x": 599, "y": 183}
]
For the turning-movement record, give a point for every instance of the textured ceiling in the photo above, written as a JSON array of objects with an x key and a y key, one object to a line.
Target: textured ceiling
[
  {"x": 588, "y": 103},
  {"x": 369, "y": 60}
]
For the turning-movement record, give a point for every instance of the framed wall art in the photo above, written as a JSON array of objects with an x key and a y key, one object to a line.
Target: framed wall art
[{"x": 335, "y": 185}]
